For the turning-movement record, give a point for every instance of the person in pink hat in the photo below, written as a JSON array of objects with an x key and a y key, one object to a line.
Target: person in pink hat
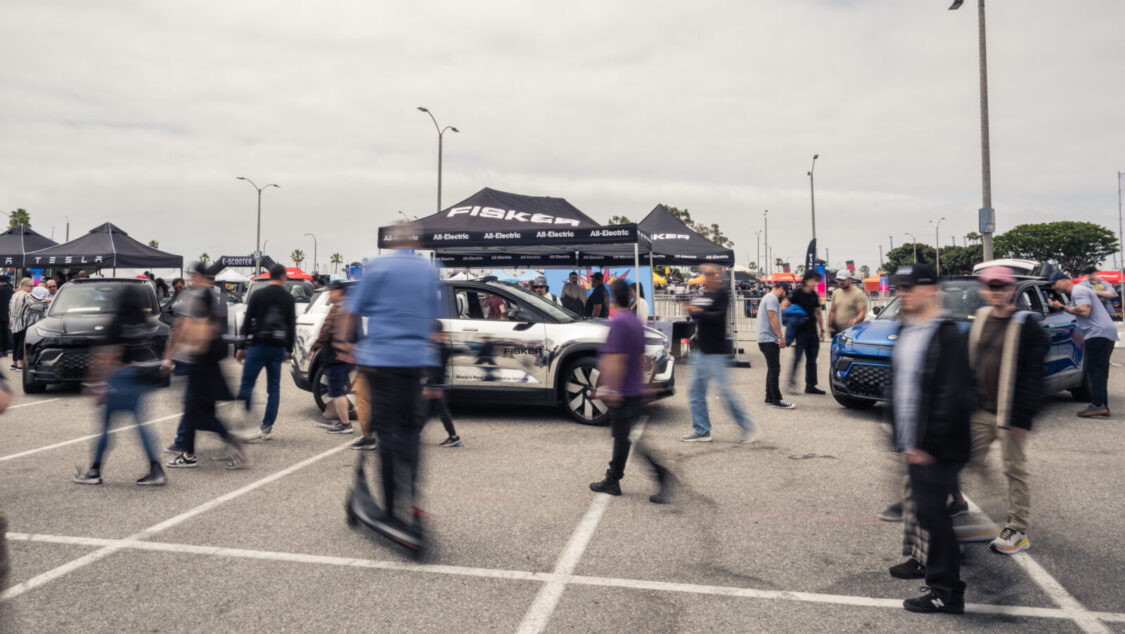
[{"x": 1007, "y": 351}]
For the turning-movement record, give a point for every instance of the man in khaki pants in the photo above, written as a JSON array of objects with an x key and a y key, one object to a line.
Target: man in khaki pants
[{"x": 1007, "y": 350}]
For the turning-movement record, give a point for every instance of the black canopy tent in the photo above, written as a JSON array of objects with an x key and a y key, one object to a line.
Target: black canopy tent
[
  {"x": 17, "y": 242},
  {"x": 674, "y": 243},
  {"x": 495, "y": 228},
  {"x": 105, "y": 246},
  {"x": 239, "y": 261}
]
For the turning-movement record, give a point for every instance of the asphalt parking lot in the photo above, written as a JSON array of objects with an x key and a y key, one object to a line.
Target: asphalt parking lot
[{"x": 780, "y": 536}]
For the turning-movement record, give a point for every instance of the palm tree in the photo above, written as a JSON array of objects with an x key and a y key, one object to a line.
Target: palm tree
[
  {"x": 19, "y": 217},
  {"x": 297, "y": 256},
  {"x": 154, "y": 244},
  {"x": 204, "y": 258},
  {"x": 336, "y": 259}
]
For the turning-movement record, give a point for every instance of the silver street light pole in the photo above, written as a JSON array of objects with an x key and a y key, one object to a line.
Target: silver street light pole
[
  {"x": 758, "y": 259},
  {"x": 812, "y": 198},
  {"x": 987, "y": 214},
  {"x": 314, "y": 251},
  {"x": 1120, "y": 241},
  {"x": 915, "y": 242},
  {"x": 937, "y": 245},
  {"x": 440, "y": 135},
  {"x": 766, "y": 228},
  {"x": 258, "y": 241}
]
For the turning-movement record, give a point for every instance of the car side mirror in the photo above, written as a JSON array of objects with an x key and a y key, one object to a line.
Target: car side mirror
[{"x": 877, "y": 310}]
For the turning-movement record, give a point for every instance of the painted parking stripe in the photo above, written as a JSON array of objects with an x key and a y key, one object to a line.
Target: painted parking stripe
[
  {"x": 536, "y": 618},
  {"x": 519, "y": 575},
  {"x": 1052, "y": 587},
  {"x": 64, "y": 443},
  {"x": 116, "y": 546},
  {"x": 46, "y": 400}
]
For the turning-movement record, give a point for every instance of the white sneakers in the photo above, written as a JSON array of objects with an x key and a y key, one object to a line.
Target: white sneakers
[{"x": 1010, "y": 542}]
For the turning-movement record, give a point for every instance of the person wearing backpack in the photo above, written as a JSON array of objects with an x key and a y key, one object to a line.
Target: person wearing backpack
[{"x": 268, "y": 330}]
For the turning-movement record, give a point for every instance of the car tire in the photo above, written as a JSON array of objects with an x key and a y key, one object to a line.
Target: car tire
[
  {"x": 852, "y": 402},
  {"x": 578, "y": 380},
  {"x": 30, "y": 385},
  {"x": 1082, "y": 392},
  {"x": 319, "y": 385}
]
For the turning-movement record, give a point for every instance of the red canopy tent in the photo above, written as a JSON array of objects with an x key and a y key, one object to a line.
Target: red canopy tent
[
  {"x": 291, "y": 272},
  {"x": 1112, "y": 278}
]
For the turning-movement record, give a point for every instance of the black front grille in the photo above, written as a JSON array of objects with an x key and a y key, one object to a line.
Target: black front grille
[
  {"x": 73, "y": 365},
  {"x": 868, "y": 380}
]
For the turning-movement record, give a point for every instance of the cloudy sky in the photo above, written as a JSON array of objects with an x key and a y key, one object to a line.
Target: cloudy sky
[{"x": 143, "y": 113}]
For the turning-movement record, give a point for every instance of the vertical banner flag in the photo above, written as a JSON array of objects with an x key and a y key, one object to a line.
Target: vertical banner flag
[
  {"x": 851, "y": 266},
  {"x": 810, "y": 257},
  {"x": 785, "y": 267}
]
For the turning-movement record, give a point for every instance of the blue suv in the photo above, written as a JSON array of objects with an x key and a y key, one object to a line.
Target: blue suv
[{"x": 861, "y": 355}]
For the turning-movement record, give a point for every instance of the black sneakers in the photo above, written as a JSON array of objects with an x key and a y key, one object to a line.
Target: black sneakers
[
  {"x": 452, "y": 441},
  {"x": 1094, "y": 410},
  {"x": 783, "y": 404},
  {"x": 340, "y": 428},
  {"x": 91, "y": 476},
  {"x": 155, "y": 477},
  {"x": 609, "y": 485},
  {"x": 813, "y": 390},
  {"x": 182, "y": 461},
  {"x": 892, "y": 513},
  {"x": 932, "y": 601},
  {"x": 909, "y": 569},
  {"x": 365, "y": 444}
]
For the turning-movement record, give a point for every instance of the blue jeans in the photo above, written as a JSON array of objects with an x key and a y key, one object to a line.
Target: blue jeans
[
  {"x": 708, "y": 367},
  {"x": 124, "y": 395},
  {"x": 270, "y": 358}
]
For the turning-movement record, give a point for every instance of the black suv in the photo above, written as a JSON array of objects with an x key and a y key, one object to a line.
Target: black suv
[{"x": 61, "y": 346}]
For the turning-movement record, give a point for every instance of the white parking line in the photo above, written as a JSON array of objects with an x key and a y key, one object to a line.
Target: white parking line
[
  {"x": 537, "y": 616},
  {"x": 83, "y": 438},
  {"x": 116, "y": 546},
  {"x": 1053, "y": 588},
  {"x": 519, "y": 575},
  {"x": 46, "y": 400}
]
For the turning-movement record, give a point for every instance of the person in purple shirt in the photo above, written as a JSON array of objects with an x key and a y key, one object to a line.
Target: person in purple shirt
[{"x": 621, "y": 386}]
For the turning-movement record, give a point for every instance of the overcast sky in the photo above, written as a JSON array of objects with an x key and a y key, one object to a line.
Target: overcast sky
[{"x": 143, "y": 113}]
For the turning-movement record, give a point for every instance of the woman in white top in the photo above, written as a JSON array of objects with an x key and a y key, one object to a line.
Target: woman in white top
[
  {"x": 637, "y": 303},
  {"x": 20, "y": 320}
]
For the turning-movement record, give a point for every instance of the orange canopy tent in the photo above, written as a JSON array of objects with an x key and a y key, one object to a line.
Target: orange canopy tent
[
  {"x": 871, "y": 284},
  {"x": 784, "y": 277}
]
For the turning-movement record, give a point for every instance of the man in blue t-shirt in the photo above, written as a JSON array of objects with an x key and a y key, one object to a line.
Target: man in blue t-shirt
[
  {"x": 621, "y": 385},
  {"x": 399, "y": 297},
  {"x": 1100, "y": 333}
]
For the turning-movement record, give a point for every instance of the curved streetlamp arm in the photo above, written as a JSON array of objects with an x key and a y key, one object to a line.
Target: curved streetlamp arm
[
  {"x": 252, "y": 183},
  {"x": 432, "y": 118}
]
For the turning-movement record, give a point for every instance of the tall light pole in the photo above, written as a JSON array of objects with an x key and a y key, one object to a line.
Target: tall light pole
[
  {"x": 258, "y": 241},
  {"x": 812, "y": 198},
  {"x": 915, "y": 242},
  {"x": 937, "y": 245},
  {"x": 314, "y": 251},
  {"x": 440, "y": 135},
  {"x": 987, "y": 214},
  {"x": 766, "y": 228},
  {"x": 1120, "y": 235},
  {"x": 758, "y": 259}
]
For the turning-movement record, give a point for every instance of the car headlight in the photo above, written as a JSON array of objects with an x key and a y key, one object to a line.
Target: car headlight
[
  {"x": 844, "y": 339},
  {"x": 46, "y": 332}
]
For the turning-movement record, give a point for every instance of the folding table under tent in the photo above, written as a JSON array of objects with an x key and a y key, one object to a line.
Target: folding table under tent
[
  {"x": 506, "y": 230},
  {"x": 17, "y": 242},
  {"x": 104, "y": 247}
]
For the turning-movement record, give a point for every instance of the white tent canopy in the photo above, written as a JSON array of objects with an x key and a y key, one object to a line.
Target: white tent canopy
[{"x": 231, "y": 276}]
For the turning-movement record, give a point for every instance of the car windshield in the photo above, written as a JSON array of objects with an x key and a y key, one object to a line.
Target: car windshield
[
  {"x": 961, "y": 298},
  {"x": 301, "y": 290},
  {"x": 543, "y": 305},
  {"x": 93, "y": 299}
]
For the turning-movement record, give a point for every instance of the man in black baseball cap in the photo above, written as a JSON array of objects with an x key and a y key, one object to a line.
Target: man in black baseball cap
[{"x": 931, "y": 402}]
